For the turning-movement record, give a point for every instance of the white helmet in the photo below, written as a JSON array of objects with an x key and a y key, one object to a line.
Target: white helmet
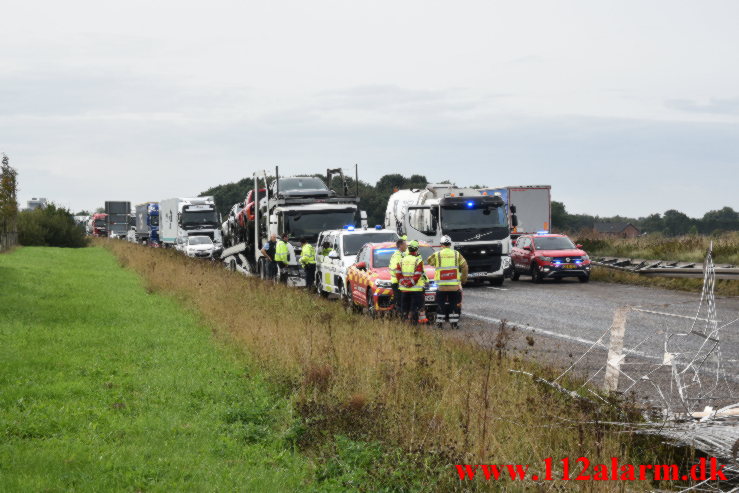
[{"x": 446, "y": 240}]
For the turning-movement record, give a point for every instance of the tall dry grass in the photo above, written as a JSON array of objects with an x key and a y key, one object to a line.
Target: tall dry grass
[
  {"x": 381, "y": 380},
  {"x": 689, "y": 248}
]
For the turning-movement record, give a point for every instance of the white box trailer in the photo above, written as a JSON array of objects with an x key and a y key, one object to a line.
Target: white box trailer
[
  {"x": 532, "y": 205},
  {"x": 182, "y": 217}
]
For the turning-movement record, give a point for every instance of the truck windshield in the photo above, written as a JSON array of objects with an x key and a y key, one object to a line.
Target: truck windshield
[
  {"x": 154, "y": 220},
  {"x": 381, "y": 256},
  {"x": 309, "y": 224},
  {"x": 99, "y": 223},
  {"x": 553, "y": 243},
  {"x": 194, "y": 219},
  {"x": 353, "y": 242},
  {"x": 457, "y": 219}
]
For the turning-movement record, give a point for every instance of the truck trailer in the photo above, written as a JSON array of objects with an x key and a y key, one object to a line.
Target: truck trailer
[
  {"x": 532, "y": 206},
  {"x": 477, "y": 224},
  {"x": 118, "y": 214},
  {"x": 301, "y": 206},
  {"x": 181, "y": 217},
  {"x": 147, "y": 222}
]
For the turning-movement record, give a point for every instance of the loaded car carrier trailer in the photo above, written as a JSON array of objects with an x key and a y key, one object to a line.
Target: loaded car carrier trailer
[{"x": 301, "y": 206}]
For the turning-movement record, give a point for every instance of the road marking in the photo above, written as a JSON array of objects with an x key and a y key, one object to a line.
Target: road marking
[
  {"x": 499, "y": 289},
  {"x": 555, "y": 334},
  {"x": 672, "y": 315}
]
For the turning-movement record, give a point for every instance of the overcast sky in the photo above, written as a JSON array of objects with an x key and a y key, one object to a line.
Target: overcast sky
[{"x": 626, "y": 107}]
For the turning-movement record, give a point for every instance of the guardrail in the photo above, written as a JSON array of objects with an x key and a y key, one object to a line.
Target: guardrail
[{"x": 664, "y": 268}]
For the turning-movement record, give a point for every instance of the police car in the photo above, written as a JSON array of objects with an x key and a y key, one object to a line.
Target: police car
[{"x": 331, "y": 269}]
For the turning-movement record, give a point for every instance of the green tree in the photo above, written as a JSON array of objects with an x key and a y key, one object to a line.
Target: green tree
[
  {"x": 652, "y": 223},
  {"x": 49, "y": 226},
  {"x": 726, "y": 219},
  {"x": 8, "y": 188},
  {"x": 676, "y": 223},
  {"x": 560, "y": 218}
]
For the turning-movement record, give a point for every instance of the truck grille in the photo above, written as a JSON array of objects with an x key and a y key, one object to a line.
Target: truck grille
[
  {"x": 566, "y": 260},
  {"x": 482, "y": 258}
]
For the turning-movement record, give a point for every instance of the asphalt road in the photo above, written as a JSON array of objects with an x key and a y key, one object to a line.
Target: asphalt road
[{"x": 559, "y": 322}]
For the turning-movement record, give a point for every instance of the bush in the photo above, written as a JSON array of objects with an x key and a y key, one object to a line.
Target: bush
[{"x": 49, "y": 226}]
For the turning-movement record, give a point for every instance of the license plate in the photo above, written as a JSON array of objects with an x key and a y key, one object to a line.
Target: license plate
[
  {"x": 430, "y": 297},
  {"x": 570, "y": 266}
]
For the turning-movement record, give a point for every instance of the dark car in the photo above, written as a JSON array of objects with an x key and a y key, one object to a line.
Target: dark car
[{"x": 549, "y": 256}]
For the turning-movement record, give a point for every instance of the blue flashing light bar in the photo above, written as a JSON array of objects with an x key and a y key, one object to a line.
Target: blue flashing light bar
[
  {"x": 542, "y": 232},
  {"x": 379, "y": 226},
  {"x": 470, "y": 204},
  {"x": 384, "y": 251}
]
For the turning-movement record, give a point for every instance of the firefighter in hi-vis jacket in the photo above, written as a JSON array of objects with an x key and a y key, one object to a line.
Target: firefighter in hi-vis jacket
[
  {"x": 412, "y": 284},
  {"x": 451, "y": 273}
]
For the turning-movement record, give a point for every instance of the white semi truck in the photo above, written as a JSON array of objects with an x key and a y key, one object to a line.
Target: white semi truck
[
  {"x": 301, "y": 206},
  {"x": 182, "y": 217},
  {"x": 477, "y": 224}
]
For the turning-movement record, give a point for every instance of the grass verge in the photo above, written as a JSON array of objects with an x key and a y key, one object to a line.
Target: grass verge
[
  {"x": 436, "y": 401},
  {"x": 689, "y": 248},
  {"x": 104, "y": 386}
]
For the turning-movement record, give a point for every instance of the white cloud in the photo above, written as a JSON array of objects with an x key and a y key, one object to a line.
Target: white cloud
[{"x": 613, "y": 103}]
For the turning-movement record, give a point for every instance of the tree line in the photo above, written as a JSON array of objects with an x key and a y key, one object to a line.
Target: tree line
[
  {"x": 373, "y": 199},
  {"x": 671, "y": 223}
]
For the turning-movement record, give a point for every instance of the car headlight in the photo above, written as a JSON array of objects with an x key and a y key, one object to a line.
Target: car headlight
[
  {"x": 585, "y": 258},
  {"x": 545, "y": 259},
  {"x": 432, "y": 286},
  {"x": 382, "y": 283}
]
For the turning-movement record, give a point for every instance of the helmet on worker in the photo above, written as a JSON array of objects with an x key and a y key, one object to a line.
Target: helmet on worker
[
  {"x": 413, "y": 246},
  {"x": 446, "y": 240}
]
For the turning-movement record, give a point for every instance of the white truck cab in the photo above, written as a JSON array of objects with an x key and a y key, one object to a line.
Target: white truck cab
[{"x": 345, "y": 243}]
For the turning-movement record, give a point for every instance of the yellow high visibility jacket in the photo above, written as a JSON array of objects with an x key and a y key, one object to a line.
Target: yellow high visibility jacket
[
  {"x": 308, "y": 254},
  {"x": 412, "y": 276},
  {"x": 459, "y": 262},
  {"x": 446, "y": 262},
  {"x": 282, "y": 254},
  {"x": 394, "y": 265}
]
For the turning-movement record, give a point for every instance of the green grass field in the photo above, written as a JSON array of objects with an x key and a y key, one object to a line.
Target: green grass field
[{"x": 104, "y": 386}]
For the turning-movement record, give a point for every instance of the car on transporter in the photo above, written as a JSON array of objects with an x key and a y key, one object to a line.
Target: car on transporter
[
  {"x": 549, "y": 256},
  {"x": 369, "y": 279}
]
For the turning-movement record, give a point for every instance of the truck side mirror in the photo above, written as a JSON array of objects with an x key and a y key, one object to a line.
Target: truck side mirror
[
  {"x": 514, "y": 219},
  {"x": 513, "y": 209}
]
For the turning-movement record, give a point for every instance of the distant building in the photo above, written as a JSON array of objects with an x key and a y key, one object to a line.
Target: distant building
[
  {"x": 624, "y": 230},
  {"x": 36, "y": 203}
]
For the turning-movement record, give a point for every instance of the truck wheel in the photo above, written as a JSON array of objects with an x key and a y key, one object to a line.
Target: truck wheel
[
  {"x": 496, "y": 282},
  {"x": 584, "y": 279}
]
